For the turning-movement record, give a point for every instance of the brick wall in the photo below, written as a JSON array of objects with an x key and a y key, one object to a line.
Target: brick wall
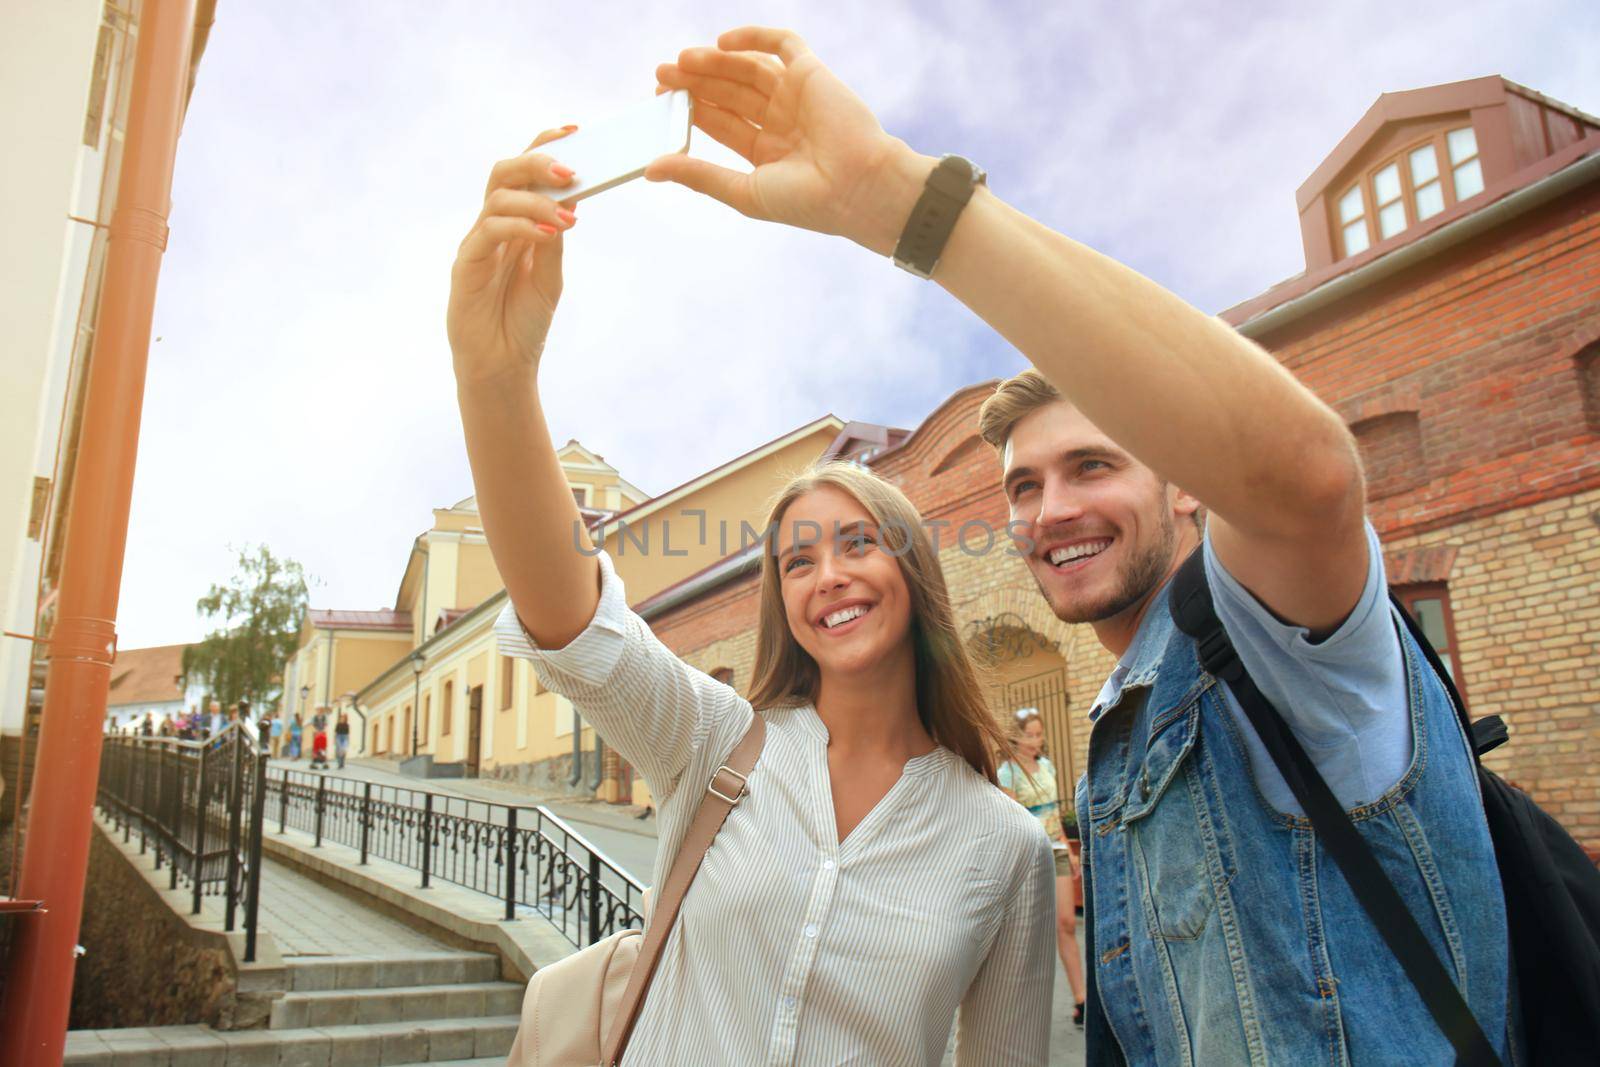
[
  {"x": 1525, "y": 591},
  {"x": 1483, "y": 350}
]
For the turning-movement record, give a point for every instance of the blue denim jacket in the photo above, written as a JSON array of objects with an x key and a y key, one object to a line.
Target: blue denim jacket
[{"x": 1223, "y": 933}]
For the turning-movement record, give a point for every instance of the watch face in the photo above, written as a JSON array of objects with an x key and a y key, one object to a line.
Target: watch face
[{"x": 959, "y": 173}]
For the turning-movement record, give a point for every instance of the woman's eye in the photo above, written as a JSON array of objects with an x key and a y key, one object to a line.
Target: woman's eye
[
  {"x": 860, "y": 542},
  {"x": 788, "y": 567}
]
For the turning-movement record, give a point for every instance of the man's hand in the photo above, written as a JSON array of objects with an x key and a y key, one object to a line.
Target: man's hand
[{"x": 821, "y": 160}]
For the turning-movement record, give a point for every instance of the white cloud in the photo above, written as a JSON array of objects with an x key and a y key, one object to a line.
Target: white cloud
[{"x": 334, "y": 155}]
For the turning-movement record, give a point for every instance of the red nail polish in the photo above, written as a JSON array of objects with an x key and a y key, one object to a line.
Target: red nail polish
[
  {"x": 566, "y": 216},
  {"x": 546, "y": 227},
  {"x": 560, "y": 171}
]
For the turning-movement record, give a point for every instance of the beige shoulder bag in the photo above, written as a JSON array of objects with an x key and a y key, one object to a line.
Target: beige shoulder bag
[{"x": 579, "y": 1012}]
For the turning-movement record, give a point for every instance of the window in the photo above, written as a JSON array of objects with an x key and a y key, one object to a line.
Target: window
[
  {"x": 427, "y": 717},
  {"x": 446, "y": 707},
  {"x": 405, "y": 731},
  {"x": 1353, "y": 217},
  {"x": 1429, "y": 605},
  {"x": 508, "y": 681},
  {"x": 1391, "y": 207},
  {"x": 1409, "y": 188},
  {"x": 1464, "y": 166},
  {"x": 1427, "y": 195},
  {"x": 389, "y": 745},
  {"x": 1588, "y": 366},
  {"x": 581, "y": 495}
]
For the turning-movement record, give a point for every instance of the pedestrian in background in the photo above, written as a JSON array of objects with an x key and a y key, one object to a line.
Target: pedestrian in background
[
  {"x": 277, "y": 734},
  {"x": 341, "y": 739},
  {"x": 295, "y": 730},
  {"x": 1030, "y": 780}
]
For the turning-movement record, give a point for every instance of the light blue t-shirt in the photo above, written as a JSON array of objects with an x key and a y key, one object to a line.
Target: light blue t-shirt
[{"x": 1344, "y": 697}]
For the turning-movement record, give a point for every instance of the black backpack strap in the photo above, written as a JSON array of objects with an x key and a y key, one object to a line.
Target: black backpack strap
[{"x": 1194, "y": 614}]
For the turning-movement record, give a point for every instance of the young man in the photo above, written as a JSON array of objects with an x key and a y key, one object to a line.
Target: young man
[{"x": 1220, "y": 930}]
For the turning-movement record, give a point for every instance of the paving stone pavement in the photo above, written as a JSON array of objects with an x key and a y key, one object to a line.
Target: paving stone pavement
[{"x": 309, "y": 919}]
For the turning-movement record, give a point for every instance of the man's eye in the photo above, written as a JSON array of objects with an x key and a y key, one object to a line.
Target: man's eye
[
  {"x": 1024, "y": 486},
  {"x": 1090, "y": 463}
]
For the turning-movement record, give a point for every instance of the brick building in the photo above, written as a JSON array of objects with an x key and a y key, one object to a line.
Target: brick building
[{"x": 1450, "y": 310}]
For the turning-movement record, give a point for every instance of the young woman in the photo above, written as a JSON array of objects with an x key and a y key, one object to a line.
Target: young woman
[
  {"x": 874, "y": 885},
  {"x": 1030, "y": 779}
]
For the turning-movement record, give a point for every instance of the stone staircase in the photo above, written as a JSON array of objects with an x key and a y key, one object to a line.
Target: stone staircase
[{"x": 444, "y": 1008}]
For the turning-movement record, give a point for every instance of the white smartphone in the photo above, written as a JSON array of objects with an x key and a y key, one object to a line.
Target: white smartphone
[{"x": 619, "y": 148}]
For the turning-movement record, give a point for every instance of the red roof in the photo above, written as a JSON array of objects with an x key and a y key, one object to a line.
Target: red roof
[
  {"x": 147, "y": 676},
  {"x": 333, "y": 619}
]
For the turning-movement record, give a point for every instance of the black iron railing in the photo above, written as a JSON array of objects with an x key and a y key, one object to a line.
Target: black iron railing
[
  {"x": 199, "y": 805},
  {"x": 527, "y": 857}
]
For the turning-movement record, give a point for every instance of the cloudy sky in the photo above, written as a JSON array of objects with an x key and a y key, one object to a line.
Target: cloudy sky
[{"x": 334, "y": 155}]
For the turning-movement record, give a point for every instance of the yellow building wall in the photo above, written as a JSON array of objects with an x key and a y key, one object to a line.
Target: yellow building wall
[
  {"x": 640, "y": 550},
  {"x": 358, "y": 658},
  {"x": 476, "y": 577}
]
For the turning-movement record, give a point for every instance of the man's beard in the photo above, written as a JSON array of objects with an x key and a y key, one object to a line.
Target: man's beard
[{"x": 1135, "y": 579}]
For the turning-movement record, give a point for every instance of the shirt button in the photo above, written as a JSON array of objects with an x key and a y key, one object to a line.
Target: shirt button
[
  {"x": 788, "y": 1002},
  {"x": 827, "y": 865},
  {"x": 811, "y": 930}
]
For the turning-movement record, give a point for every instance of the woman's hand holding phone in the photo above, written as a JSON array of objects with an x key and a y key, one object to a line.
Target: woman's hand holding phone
[
  {"x": 821, "y": 159},
  {"x": 506, "y": 280}
]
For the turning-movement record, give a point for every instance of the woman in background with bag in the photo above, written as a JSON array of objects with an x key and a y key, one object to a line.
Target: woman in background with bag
[{"x": 874, "y": 884}]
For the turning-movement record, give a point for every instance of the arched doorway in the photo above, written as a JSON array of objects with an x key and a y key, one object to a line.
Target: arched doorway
[{"x": 1021, "y": 668}]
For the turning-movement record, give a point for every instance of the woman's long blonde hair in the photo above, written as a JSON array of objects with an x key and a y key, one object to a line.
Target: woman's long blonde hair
[{"x": 949, "y": 700}]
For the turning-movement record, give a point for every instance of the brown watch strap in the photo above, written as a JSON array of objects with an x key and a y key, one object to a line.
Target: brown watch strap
[{"x": 726, "y": 788}]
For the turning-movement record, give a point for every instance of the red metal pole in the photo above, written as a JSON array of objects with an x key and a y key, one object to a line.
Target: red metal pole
[{"x": 55, "y": 859}]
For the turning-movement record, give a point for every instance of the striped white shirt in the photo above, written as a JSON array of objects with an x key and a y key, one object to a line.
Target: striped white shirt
[{"x": 792, "y": 947}]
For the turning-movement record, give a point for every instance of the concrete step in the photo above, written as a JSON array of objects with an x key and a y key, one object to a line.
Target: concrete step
[
  {"x": 310, "y": 974},
  {"x": 436, "y": 1041},
  {"x": 341, "y": 1007}
]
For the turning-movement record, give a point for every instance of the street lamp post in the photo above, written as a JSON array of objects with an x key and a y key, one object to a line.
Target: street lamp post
[
  {"x": 416, "y": 697},
  {"x": 305, "y": 693}
]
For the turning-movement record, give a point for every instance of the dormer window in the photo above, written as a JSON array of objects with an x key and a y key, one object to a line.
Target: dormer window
[
  {"x": 1420, "y": 182},
  {"x": 1419, "y": 157}
]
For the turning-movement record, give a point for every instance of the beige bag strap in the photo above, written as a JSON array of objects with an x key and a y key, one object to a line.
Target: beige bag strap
[{"x": 725, "y": 789}]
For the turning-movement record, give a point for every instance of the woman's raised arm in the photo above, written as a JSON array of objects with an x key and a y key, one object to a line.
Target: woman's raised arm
[{"x": 504, "y": 287}]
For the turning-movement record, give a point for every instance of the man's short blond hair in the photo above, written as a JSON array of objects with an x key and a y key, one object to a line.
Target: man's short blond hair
[{"x": 1012, "y": 399}]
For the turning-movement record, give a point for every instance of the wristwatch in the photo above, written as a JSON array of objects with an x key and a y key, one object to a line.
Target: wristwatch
[{"x": 947, "y": 191}]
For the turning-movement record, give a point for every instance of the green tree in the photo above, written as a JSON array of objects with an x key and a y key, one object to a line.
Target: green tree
[{"x": 255, "y": 619}]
